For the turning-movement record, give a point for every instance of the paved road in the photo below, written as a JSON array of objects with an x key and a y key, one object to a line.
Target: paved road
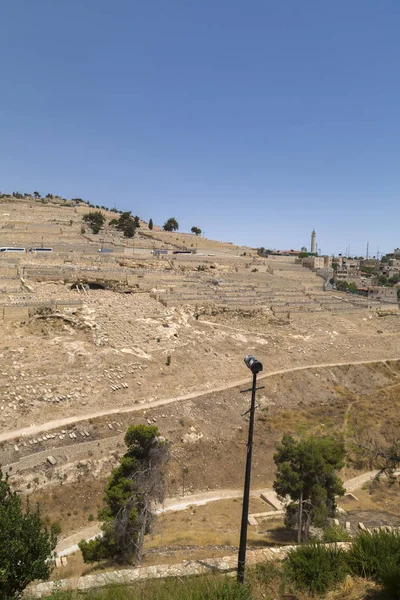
[
  {"x": 50, "y": 425},
  {"x": 69, "y": 545}
]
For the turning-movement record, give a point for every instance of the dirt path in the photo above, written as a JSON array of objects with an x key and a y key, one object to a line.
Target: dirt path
[
  {"x": 69, "y": 545},
  {"x": 37, "y": 429}
]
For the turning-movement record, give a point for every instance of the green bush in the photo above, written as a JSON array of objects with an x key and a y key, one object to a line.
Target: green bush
[
  {"x": 377, "y": 556},
  {"x": 266, "y": 572},
  {"x": 56, "y": 528},
  {"x": 316, "y": 567},
  {"x": 335, "y": 533},
  {"x": 390, "y": 578},
  {"x": 370, "y": 551}
]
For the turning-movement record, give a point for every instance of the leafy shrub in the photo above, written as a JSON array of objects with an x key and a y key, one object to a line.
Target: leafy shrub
[
  {"x": 335, "y": 533},
  {"x": 377, "y": 555},
  {"x": 370, "y": 551},
  {"x": 56, "y": 528},
  {"x": 266, "y": 572},
  {"x": 390, "y": 578},
  {"x": 93, "y": 550},
  {"x": 316, "y": 567}
]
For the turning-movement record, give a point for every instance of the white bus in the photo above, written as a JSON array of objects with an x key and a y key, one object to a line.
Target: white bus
[{"x": 6, "y": 249}]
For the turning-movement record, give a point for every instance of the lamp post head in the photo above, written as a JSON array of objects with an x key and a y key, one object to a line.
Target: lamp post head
[{"x": 253, "y": 364}]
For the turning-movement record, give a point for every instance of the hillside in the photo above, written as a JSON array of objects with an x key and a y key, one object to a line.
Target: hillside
[{"x": 92, "y": 342}]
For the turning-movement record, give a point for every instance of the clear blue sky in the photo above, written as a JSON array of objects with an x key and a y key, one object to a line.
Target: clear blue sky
[{"x": 254, "y": 120}]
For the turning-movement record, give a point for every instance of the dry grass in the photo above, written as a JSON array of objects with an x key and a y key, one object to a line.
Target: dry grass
[
  {"x": 264, "y": 584},
  {"x": 353, "y": 589},
  {"x": 71, "y": 504},
  {"x": 214, "y": 524}
]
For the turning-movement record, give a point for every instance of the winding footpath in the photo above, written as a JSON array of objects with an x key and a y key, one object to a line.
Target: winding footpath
[
  {"x": 50, "y": 425},
  {"x": 69, "y": 545}
]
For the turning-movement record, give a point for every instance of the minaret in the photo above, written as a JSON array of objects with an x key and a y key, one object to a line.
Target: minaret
[{"x": 313, "y": 242}]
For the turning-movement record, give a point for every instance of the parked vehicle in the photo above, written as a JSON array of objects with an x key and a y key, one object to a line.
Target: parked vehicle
[
  {"x": 40, "y": 249},
  {"x": 9, "y": 249}
]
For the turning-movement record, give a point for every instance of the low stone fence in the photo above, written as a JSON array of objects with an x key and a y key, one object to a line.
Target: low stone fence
[
  {"x": 227, "y": 564},
  {"x": 13, "y": 313},
  {"x": 24, "y": 309},
  {"x": 8, "y": 271},
  {"x": 74, "y": 273}
]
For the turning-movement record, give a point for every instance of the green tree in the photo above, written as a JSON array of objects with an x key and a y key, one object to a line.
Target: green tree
[
  {"x": 342, "y": 285},
  {"x": 26, "y": 546},
  {"x": 130, "y": 495},
  {"x": 306, "y": 472},
  {"x": 394, "y": 279},
  {"x": 171, "y": 225},
  {"x": 36, "y": 194},
  {"x": 95, "y": 220},
  {"x": 151, "y": 224},
  {"x": 369, "y": 270},
  {"x": 196, "y": 230},
  {"x": 382, "y": 280},
  {"x": 126, "y": 223}
]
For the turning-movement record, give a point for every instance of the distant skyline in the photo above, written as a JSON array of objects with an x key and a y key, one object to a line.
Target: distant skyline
[{"x": 256, "y": 121}]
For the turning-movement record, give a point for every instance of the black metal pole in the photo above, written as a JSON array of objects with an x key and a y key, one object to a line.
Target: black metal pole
[{"x": 246, "y": 491}]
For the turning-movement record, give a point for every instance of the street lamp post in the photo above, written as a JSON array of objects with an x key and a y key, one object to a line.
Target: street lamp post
[{"x": 255, "y": 367}]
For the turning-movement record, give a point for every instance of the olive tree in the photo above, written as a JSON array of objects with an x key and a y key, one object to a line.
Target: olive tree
[
  {"x": 95, "y": 220},
  {"x": 171, "y": 225}
]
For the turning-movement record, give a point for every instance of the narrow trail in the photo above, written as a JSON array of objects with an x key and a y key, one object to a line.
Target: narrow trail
[
  {"x": 37, "y": 429},
  {"x": 69, "y": 545}
]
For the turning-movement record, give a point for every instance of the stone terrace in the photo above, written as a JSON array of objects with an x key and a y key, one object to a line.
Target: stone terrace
[{"x": 288, "y": 289}]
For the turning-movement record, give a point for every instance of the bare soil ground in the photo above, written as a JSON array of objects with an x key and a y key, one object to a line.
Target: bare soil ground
[
  {"x": 213, "y": 530},
  {"x": 308, "y": 400},
  {"x": 109, "y": 351}
]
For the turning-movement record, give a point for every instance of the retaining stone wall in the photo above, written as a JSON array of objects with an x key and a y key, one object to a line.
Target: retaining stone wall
[
  {"x": 13, "y": 313},
  {"x": 227, "y": 564},
  {"x": 8, "y": 271},
  {"x": 24, "y": 309}
]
